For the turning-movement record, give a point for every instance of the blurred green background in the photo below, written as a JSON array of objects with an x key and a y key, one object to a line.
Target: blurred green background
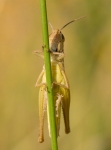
[{"x": 88, "y": 67}]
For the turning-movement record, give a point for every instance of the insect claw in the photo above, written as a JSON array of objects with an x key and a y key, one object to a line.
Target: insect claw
[
  {"x": 58, "y": 95},
  {"x": 44, "y": 46},
  {"x": 40, "y": 139}
]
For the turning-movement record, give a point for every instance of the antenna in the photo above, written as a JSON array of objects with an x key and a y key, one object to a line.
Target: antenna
[
  {"x": 51, "y": 25},
  {"x": 71, "y": 22}
]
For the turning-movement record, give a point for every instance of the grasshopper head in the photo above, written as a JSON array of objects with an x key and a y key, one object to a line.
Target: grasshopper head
[{"x": 56, "y": 38}]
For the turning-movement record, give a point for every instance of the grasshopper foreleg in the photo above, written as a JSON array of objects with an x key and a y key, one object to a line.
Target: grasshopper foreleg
[{"x": 39, "y": 53}]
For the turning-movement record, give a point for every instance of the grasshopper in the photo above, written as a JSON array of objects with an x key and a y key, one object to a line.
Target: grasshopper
[{"x": 60, "y": 84}]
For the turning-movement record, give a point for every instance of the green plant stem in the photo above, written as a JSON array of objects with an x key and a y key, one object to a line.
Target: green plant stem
[{"x": 48, "y": 75}]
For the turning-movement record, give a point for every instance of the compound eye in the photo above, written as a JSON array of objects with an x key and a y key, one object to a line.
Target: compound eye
[{"x": 62, "y": 37}]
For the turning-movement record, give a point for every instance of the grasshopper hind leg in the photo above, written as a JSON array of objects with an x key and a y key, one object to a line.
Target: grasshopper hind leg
[
  {"x": 65, "y": 108},
  {"x": 42, "y": 109},
  {"x": 58, "y": 112}
]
